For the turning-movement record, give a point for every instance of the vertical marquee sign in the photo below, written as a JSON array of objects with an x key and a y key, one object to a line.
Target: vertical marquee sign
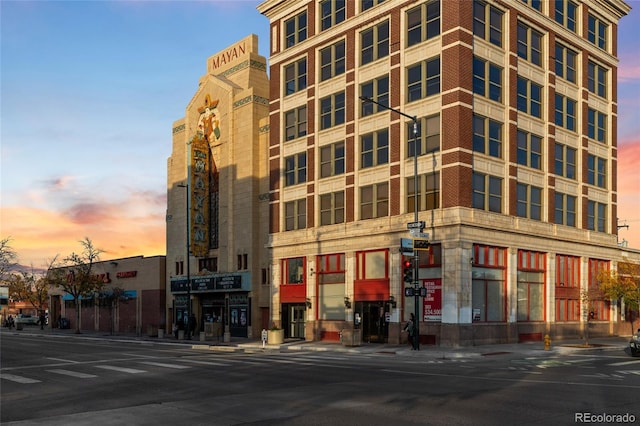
[{"x": 199, "y": 197}]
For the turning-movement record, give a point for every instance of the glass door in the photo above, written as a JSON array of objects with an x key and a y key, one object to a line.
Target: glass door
[{"x": 297, "y": 321}]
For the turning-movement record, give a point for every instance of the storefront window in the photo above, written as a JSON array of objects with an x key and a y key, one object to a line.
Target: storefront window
[
  {"x": 488, "y": 284},
  {"x": 531, "y": 270},
  {"x": 294, "y": 270}
]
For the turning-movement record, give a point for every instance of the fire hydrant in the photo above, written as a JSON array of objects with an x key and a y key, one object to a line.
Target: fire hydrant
[{"x": 547, "y": 342}]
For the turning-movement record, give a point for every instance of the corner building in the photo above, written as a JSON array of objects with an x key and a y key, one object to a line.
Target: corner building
[
  {"x": 217, "y": 199},
  {"x": 516, "y": 110}
]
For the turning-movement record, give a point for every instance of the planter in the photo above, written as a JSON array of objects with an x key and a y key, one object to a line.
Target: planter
[{"x": 275, "y": 337}]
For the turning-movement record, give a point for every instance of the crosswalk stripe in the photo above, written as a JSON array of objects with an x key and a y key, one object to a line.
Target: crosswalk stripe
[
  {"x": 120, "y": 369},
  {"x": 196, "y": 361},
  {"x": 615, "y": 364},
  {"x": 160, "y": 364},
  {"x": 73, "y": 374},
  {"x": 18, "y": 379}
]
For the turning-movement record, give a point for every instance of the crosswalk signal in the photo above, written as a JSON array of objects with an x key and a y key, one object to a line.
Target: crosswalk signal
[{"x": 407, "y": 271}]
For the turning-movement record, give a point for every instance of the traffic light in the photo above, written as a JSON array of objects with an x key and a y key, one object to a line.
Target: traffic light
[{"x": 407, "y": 271}]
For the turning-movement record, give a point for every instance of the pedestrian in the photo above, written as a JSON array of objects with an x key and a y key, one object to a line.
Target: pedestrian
[
  {"x": 192, "y": 325},
  {"x": 43, "y": 318},
  {"x": 410, "y": 329}
]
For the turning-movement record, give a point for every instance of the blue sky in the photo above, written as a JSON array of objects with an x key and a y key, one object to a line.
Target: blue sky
[{"x": 89, "y": 92}]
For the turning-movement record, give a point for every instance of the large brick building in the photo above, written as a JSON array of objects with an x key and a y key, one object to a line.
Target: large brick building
[{"x": 516, "y": 106}]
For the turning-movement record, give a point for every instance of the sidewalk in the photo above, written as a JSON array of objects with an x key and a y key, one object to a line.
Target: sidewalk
[{"x": 597, "y": 344}]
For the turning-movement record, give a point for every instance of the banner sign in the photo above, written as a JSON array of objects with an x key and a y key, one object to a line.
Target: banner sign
[{"x": 432, "y": 302}]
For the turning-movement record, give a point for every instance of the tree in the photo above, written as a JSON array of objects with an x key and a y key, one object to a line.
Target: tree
[
  {"x": 623, "y": 285},
  {"x": 110, "y": 299},
  {"x": 7, "y": 258},
  {"x": 75, "y": 275},
  {"x": 31, "y": 288},
  {"x": 588, "y": 299}
]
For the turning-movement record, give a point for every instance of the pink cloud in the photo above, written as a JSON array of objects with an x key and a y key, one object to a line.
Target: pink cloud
[{"x": 629, "y": 192}]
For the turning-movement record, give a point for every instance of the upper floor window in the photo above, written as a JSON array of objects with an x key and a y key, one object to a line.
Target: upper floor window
[
  {"x": 487, "y": 136},
  {"x": 423, "y": 22},
  {"x": 487, "y": 192},
  {"x": 295, "y": 215},
  {"x": 597, "y": 171},
  {"x": 375, "y": 43},
  {"x": 377, "y": 90},
  {"x": 487, "y": 22},
  {"x": 423, "y": 79},
  {"x": 565, "y": 161},
  {"x": 374, "y": 200},
  {"x": 566, "y": 14},
  {"x": 295, "y": 76},
  {"x": 597, "y": 79},
  {"x": 596, "y": 216},
  {"x": 529, "y": 44},
  {"x": 295, "y": 123},
  {"x": 487, "y": 79},
  {"x": 332, "y": 110},
  {"x": 529, "y": 201},
  {"x": 374, "y": 148},
  {"x": 597, "y": 32},
  {"x": 428, "y": 192},
  {"x": 368, "y": 4},
  {"x": 565, "y": 63},
  {"x": 565, "y": 209},
  {"x": 295, "y": 169},
  {"x": 529, "y": 97},
  {"x": 332, "y": 12},
  {"x": 332, "y": 60},
  {"x": 332, "y": 208},
  {"x": 536, "y": 4},
  {"x": 427, "y": 136},
  {"x": 332, "y": 160},
  {"x": 529, "y": 150},
  {"x": 296, "y": 29},
  {"x": 565, "y": 114},
  {"x": 597, "y": 125}
]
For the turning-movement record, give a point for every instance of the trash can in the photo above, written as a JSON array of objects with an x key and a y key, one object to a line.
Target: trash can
[{"x": 351, "y": 337}]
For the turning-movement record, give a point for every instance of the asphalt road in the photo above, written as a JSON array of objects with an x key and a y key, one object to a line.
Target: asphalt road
[{"x": 66, "y": 380}]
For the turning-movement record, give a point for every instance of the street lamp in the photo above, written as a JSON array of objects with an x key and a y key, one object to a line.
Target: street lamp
[
  {"x": 188, "y": 322},
  {"x": 416, "y": 284}
]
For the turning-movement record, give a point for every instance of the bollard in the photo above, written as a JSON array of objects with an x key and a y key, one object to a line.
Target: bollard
[{"x": 547, "y": 342}]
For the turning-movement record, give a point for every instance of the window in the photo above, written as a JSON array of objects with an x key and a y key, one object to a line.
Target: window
[
  {"x": 295, "y": 76},
  {"x": 566, "y": 13},
  {"x": 487, "y": 136},
  {"x": 597, "y": 32},
  {"x": 596, "y": 216},
  {"x": 487, "y": 79},
  {"x": 565, "y": 112},
  {"x": 536, "y": 4},
  {"x": 423, "y": 79},
  {"x": 597, "y": 79},
  {"x": 565, "y": 161},
  {"x": 529, "y": 44},
  {"x": 567, "y": 288},
  {"x": 242, "y": 262},
  {"x": 428, "y": 192},
  {"x": 597, "y": 171},
  {"x": 565, "y": 209},
  {"x": 372, "y": 265},
  {"x": 332, "y": 12},
  {"x": 332, "y": 61},
  {"x": 368, "y": 4},
  {"x": 375, "y": 43},
  {"x": 295, "y": 169},
  {"x": 529, "y": 97},
  {"x": 529, "y": 201},
  {"x": 487, "y": 192},
  {"x": 331, "y": 282},
  {"x": 180, "y": 267},
  {"x": 296, "y": 29},
  {"x": 430, "y": 142},
  {"x": 293, "y": 271},
  {"x": 566, "y": 63},
  {"x": 209, "y": 264},
  {"x": 374, "y": 201},
  {"x": 295, "y": 215},
  {"x": 531, "y": 271},
  {"x": 488, "y": 285},
  {"x": 376, "y": 90},
  {"x": 295, "y": 123},
  {"x": 596, "y": 125},
  {"x": 423, "y": 22},
  {"x": 598, "y": 307},
  {"x": 332, "y": 160},
  {"x": 487, "y": 22},
  {"x": 332, "y": 110},
  {"x": 529, "y": 150},
  {"x": 374, "y": 148},
  {"x": 332, "y": 208}
]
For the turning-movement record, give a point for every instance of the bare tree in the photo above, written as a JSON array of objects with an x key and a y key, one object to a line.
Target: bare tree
[
  {"x": 75, "y": 275},
  {"x": 8, "y": 258},
  {"x": 111, "y": 299}
]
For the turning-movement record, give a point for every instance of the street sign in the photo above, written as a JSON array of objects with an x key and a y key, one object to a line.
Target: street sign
[
  {"x": 421, "y": 244},
  {"x": 416, "y": 225},
  {"x": 406, "y": 246},
  {"x": 409, "y": 292},
  {"x": 416, "y": 234}
]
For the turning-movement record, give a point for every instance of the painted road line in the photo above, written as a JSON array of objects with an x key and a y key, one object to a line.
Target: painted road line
[
  {"x": 120, "y": 369},
  {"x": 73, "y": 374},
  {"x": 616, "y": 364},
  {"x": 195, "y": 361},
  {"x": 68, "y": 361},
  {"x": 18, "y": 379},
  {"x": 160, "y": 364}
]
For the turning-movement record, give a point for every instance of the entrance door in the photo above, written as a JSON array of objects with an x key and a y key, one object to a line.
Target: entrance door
[
  {"x": 373, "y": 322},
  {"x": 296, "y": 321}
]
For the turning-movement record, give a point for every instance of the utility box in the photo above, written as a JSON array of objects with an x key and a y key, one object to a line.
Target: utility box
[{"x": 351, "y": 337}]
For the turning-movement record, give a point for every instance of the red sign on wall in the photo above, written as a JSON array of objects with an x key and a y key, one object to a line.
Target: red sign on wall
[{"x": 432, "y": 302}]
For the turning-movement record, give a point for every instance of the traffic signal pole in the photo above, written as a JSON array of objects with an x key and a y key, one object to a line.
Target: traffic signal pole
[{"x": 416, "y": 265}]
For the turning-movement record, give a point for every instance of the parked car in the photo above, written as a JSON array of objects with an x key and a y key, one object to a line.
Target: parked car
[
  {"x": 634, "y": 344},
  {"x": 26, "y": 319}
]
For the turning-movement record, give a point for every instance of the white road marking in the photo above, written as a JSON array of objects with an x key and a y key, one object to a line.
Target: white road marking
[
  {"x": 120, "y": 369},
  {"x": 18, "y": 379},
  {"x": 195, "y": 361},
  {"x": 160, "y": 364},
  {"x": 69, "y": 361},
  {"x": 73, "y": 374},
  {"x": 616, "y": 364}
]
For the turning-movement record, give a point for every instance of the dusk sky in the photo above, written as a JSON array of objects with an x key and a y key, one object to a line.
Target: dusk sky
[{"x": 90, "y": 90}]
